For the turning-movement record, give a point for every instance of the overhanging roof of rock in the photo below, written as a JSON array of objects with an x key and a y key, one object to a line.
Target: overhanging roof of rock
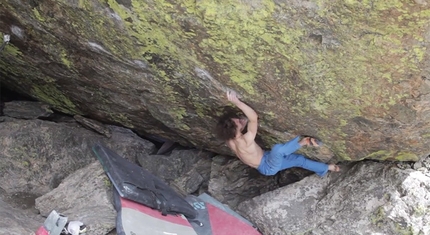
[{"x": 353, "y": 73}]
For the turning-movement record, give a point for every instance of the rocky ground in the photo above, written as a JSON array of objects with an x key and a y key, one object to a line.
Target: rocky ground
[
  {"x": 48, "y": 164},
  {"x": 366, "y": 198}
]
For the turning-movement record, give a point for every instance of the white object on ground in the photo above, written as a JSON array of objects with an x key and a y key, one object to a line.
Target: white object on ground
[
  {"x": 6, "y": 38},
  {"x": 74, "y": 227}
]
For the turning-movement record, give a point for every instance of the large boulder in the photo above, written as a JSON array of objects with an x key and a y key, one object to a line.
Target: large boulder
[
  {"x": 354, "y": 73},
  {"x": 37, "y": 155},
  {"x": 17, "y": 221},
  {"x": 86, "y": 196},
  {"x": 368, "y": 198},
  {"x": 185, "y": 170}
]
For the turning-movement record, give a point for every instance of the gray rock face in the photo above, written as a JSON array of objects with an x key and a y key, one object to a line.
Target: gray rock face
[
  {"x": 232, "y": 181},
  {"x": 26, "y": 109},
  {"x": 369, "y": 198},
  {"x": 356, "y": 74},
  {"x": 37, "y": 155},
  {"x": 194, "y": 180},
  {"x": 186, "y": 170},
  {"x": 16, "y": 221},
  {"x": 93, "y": 125},
  {"x": 86, "y": 195},
  {"x": 189, "y": 182},
  {"x": 127, "y": 144}
]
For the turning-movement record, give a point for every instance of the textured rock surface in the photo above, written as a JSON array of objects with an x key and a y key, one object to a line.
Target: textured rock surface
[
  {"x": 93, "y": 125},
  {"x": 186, "y": 170},
  {"x": 16, "y": 221},
  {"x": 369, "y": 198},
  {"x": 37, "y": 155},
  {"x": 355, "y": 73},
  {"x": 86, "y": 195},
  {"x": 26, "y": 109},
  {"x": 127, "y": 144},
  {"x": 232, "y": 181}
]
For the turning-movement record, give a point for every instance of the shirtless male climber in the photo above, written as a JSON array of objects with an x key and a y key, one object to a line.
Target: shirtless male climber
[{"x": 280, "y": 157}]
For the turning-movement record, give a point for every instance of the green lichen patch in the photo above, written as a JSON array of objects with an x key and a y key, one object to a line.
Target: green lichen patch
[
  {"x": 122, "y": 119},
  {"x": 378, "y": 217},
  {"x": 51, "y": 95},
  {"x": 107, "y": 182},
  {"x": 392, "y": 155},
  {"x": 242, "y": 38},
  {"x": 381, "y": 154},
  {"x": 178, "y": 113},
  {"x": 38, "y": 16},
  {"x": 65, "y": 60},
  {"x": 419, "y": 211},
  {"x": 404, "y": 229},
  {"x": 12, "y": 51},
  {"x": 406, "y": 156}
]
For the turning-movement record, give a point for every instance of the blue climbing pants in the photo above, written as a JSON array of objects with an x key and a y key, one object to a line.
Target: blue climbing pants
[{"x": 282, "y": 157}]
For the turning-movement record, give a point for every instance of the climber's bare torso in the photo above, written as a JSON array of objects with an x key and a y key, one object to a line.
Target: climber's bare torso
[{"x": 249, "y": 153}]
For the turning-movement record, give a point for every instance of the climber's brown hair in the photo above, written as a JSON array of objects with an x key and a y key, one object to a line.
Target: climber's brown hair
[{"x": 226, "y": 127}]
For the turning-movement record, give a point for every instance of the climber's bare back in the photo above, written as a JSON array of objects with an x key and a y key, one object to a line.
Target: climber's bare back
[{"x": 249, "y": 153}]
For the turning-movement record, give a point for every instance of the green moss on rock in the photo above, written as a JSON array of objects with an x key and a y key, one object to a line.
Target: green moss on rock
[
  {"x": 378, "y": 216},
  {"x": 406, "y": 156},
  {"x": 121, "y": 119},
  {"x": 51, "y": 95},
  {"x": 392, "y": 155}
]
